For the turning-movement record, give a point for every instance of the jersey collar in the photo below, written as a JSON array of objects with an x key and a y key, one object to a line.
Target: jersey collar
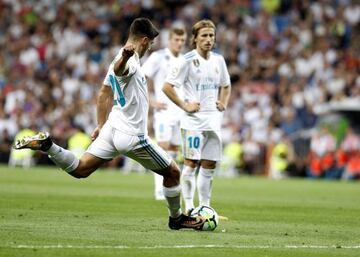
[
  {"x": 167, "y": 51},
  {"x": 136, "y": 56},
  {"x": 202, "y": 58}
]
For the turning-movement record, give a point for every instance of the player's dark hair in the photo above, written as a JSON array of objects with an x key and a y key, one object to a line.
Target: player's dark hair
[
  {"x": 199, "y": 25},
  {"x": 143, "y": 27},
  {"x": 176, "y": 31}
]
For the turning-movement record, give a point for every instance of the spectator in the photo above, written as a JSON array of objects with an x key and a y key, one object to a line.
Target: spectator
[
  {"x": 251, "y": 154},
  {"x": 347, "y": 156},
  {"x": 321, "y": 157},
  {"x": 5, "y": 146},
  {"x": 282, "y": 159},
  {"x": 291, "y": 123}
]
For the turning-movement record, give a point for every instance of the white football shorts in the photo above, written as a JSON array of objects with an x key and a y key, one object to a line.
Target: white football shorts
[
  {"x": 167, "y": 129},
  {"x": 201, "y": 145},
  {"x": 112, "y": 142}
]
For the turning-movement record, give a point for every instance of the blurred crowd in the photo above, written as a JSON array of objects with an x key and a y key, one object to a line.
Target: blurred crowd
[{"x": 287, "y": 60}]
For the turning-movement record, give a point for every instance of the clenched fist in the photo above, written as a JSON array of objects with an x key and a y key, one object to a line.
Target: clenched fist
[{"x": 128, "y": 51}]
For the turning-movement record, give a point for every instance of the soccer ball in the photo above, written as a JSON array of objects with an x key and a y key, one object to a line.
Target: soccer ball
[{"x": 212, "y": 218}]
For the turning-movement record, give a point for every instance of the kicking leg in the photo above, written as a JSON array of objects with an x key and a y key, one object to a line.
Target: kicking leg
[{"x": 63, "y": 158}]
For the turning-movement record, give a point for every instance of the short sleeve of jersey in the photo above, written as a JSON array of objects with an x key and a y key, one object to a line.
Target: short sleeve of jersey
[
  {"x": 131, "y": 65},
  {"x": 151, "y": 65},
  {"x": 225, "y": 77},
  {"x": 107, "y": 78},
  {"x": 178, "y": 73}
]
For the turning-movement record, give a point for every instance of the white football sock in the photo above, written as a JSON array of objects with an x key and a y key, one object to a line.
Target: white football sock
[
  {"x": 172, "y": 195},
  {"x": 63, "y": 158},
  {"x": 188, "y": 184},
  {"x": 204, "y": 184}
]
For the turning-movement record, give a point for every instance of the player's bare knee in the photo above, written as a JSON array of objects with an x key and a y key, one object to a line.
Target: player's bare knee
[
  {"x": 174, "y": 171},
  {"x": 172, "y": 175},
  {"x": 206, "y": 164},
  {"x": 191, "y": 163}
]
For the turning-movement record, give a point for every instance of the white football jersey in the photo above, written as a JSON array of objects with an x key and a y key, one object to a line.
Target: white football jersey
[
  {"x": 156, "y": 67},
  {"x": 130, "y": 111},
  {"x": 200, "y": 79}
]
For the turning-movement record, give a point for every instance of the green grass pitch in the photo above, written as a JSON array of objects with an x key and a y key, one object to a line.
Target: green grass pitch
[{"x": 45, "y": 212}]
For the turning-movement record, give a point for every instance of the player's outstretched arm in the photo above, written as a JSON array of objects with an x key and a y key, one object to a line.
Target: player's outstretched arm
[
  {"x": 120, "y": 67},
  {"x": 223, "y": 101},
  {"x": 104, "y": 104},
  {"x": 170, "y": 92}
]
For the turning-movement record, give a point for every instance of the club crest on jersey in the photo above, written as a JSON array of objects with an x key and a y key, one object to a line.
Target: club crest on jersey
[
  {"x": 196, "y": 62},
  {"x": 174, "y": 71}
]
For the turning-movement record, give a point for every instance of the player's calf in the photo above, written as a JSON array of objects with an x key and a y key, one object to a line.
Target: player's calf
[{"x": 171, "y": 175}]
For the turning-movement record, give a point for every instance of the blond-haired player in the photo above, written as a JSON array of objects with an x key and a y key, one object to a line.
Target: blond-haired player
[{"x": 204, "y": 78}]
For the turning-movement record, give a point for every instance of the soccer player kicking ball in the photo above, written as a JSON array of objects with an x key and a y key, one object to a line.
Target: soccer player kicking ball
[
  {"x": 125, "y": 129},
  {"x": 202, "y": 74},
  {"x": 166, "y": 114}
]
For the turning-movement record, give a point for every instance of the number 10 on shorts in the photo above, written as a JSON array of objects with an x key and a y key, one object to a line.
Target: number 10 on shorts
[{"x": 194, "y": 142}]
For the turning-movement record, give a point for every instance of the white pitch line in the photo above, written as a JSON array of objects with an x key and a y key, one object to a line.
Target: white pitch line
[
  {"x": 324, "y": 246},
  {"x": 59, "y": 246}
]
